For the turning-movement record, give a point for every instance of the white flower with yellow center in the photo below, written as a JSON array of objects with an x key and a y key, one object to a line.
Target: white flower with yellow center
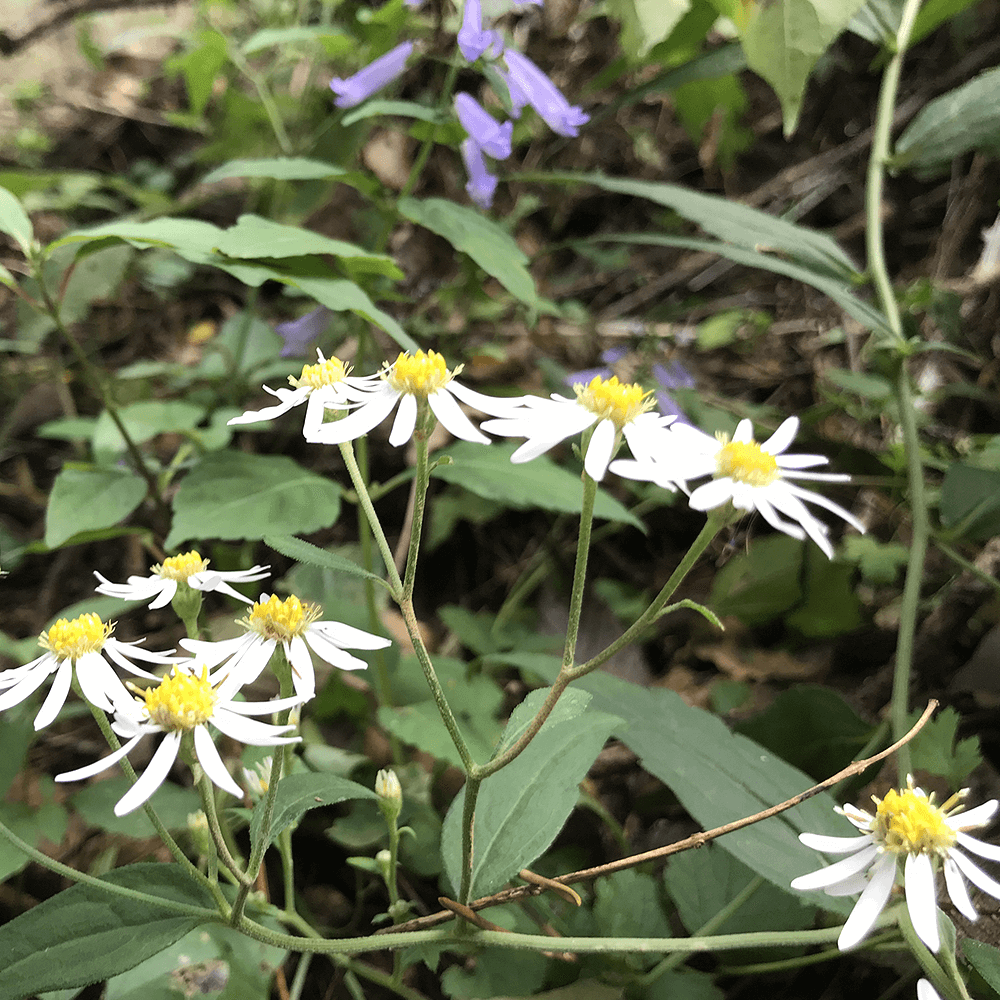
[
  {"x": 616, "y": 408},
  {"x": 83, "y": 644},
  {"x": 751, "y": 476},
  {"x": 326, "y": 383},
  {"x": 188, "y": 568},
  {"x": 413, "y": 380},
  {"x": 185, "y": 701},
  {"x": 907, "y": 831},
  {"x": 294, "y": 625}
]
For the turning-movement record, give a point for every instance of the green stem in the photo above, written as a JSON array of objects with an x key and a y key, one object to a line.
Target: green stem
[
  {"x": 472, "y": 786},
  {"x": 969, "y": 567},
  {"x": 579, "y": 571},
  {"x": 207, "y": 791},
  {"x": 941, "y": 970},
  {"x": 420, "y": 484},
  {"x": 287, "y": 868},
  {"x": 266, "y": 100}
]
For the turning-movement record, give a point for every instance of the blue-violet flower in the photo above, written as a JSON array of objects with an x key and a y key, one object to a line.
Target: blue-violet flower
[{"x": 372, "y": 78}]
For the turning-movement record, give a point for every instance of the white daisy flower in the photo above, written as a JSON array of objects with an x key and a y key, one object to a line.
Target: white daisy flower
[
  {"x": 324, "y": 384},
  {"x": 751, "y": 476},
  {"x": 293, "y": 624},
  {"x": 416, "y": 382},
  {"x": 186, "y": 702},
  {"x": 188, "y": 568},
  {"x": 83, "y": 644},
  {"x": 616, "y": 408},
  {"x": 907, "y": 830}
]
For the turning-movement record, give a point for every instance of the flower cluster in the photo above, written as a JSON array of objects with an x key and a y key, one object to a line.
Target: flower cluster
[
  {"x": 522, "y": 84},
  {"x": 908, "y": 839},
  {"x": 200, "y": 694}
]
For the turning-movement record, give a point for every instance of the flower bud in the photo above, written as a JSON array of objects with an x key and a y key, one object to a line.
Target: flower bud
[{"x": 390, "y": 794}]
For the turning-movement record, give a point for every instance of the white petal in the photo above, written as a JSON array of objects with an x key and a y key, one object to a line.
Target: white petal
[
  {"x": 801, "y": 461},
  {"x": 213, "y": 653},
  {"x": 975, "y": 875},
  {"x": 154, "y": 775},
  {"x": 303, "y": 672},
  {"x": 450, "y": 415},
  {"x": 124, "y": 652},
  {"x": 822, "y": 501},
  {"x": 288, "y": 398},
  {"x": 56, "y": 697},
  {"x": 347, "y": 635},
  {"x": 358, "y": 422},
  {"x": 836, "y": 872},
  {"x": 870, "y": 903},
  {"x": 250, "y": 731},
  {"x": 926, "y": 992},
  {"x": 744, "y": 431},
  {"x": 849, "y": 887},
  {"x": 495, "y": 405},
  {"x": 599, "y": 450},
  {"x": 259, "y": 707},
  {"x": 712, "y": 494},
  {"x": 101, "y": 765},
  {"x": 96, "y": 678},
  {"x": 834, "y": 845},
  {"x": 212, "y": 763},
  {"x": 861, "y": 819},
  {"x": 332, "y": 653},
  {"x": 979, "y": 816},
  {"x": 984, "y": 850},
  {"x": 531, "y": 448},
  {"x": 405, "y": 422},
  {"x": 957, "y": 890},
  {"x": 167, "y": 591},
  {"x": 921, "y": 899},
  {"x": 782, "y": 437}
]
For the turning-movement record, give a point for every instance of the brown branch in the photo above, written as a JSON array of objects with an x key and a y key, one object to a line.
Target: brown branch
[{"x": 696, "y": 840}]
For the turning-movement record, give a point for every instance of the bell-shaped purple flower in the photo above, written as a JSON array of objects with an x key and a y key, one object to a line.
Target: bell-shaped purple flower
[
  {"x": 299, "y": 333},
  {"x": 491, "y": 136},
  {"x": 473, "y": 41},
  {"x": 372, "y": 78},
  {"x": 482, "y": 184},
  {"x": 529, "y": 85}
]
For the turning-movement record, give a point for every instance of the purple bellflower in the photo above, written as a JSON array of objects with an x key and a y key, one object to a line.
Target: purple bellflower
[
  {"x": 472, "y": 39},
  {"x": 299, "y": 333},
  {"x": 482, "y": 184},
  {"x": 529, "y": 85},
  {"x": 372, "y": 78},
  {"x": 491, "y": 136}
]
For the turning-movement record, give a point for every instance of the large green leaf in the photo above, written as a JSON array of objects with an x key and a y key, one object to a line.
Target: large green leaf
[
  {"x": 729, "y": 221},
  {"x": 970, "y": 500},
  {"x": 14, "y": 220},
  {"x": 720, "y": 777},
  {"x": 233, "y": 495},
  {"x": 488, "y": 472},
  {"x": 143, "y": 420},
  {"x": 522, "y": 808},
  {"x": 84, "y": 935},
  {"x": 784, "y": 40},
  {"x": 647, "y": 22},
  {"x": 471, "y": 232},
  {"x": 298, "y": 793},
  {"x": 86, "y": 499},
  {"x": 951, "y": 125}
]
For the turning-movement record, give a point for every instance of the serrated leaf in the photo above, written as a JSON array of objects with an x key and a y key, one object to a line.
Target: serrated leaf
[
  {"x": 937, "y": 749},
  {"x": 88, "y": 500},
  {"x": 951, "y": 125},
  {"x": 305, "y": 552},
  {"x": 488, "y": 472},
  {"x": 471, "y": 232},
  {"x": 232, "y": 495},
  {"x": 84, "y": 935},
  {"x": 298, "y": 793},
  {"x": 784, "y": 40},
  {"x": 522, "y": 808},
  {"x": 14, "y": 221}
]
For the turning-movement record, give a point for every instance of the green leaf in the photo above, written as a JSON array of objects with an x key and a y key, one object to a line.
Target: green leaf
[
  {"x": 298, "y": 793},
  {"x": 32, "y": 824},
  {"x": 685, "y": 984},
  {"x": 84, "y": 935},
  {"x": 96, "y": 804},
  {"x": 232, "y": 495},
  {"x": 879, "y": 562},
  {"x": 937, "y": 749},
  {"x": 471, "y": 232},
  {"x": 14, "y": 221},
  {"x": 268, "y": 37},
  {"x": 720, "y": 777},
  {"x": 786, "y": 38},
  {"x": 985, "y": 959},
  {"x": 970, "y": 500},
  {"x": 489, "y": 473},
  {"x": 522, "y": 807},
  {"x": 760, "y": 584},
  {"x": 646, "y": 22},
  {"x": 193, "y": 239},
  {"x": 627, "y": 904},
  {"x": 200, "y": 65},
  {"x": 253, "y": 236},
  {"x": 830, "y": 606},
  {"x": 305, "y": 552},
  {"x": 703, "y": 883},
  {"x": 86, "y": 499},
  {"x": 869, "y": 387},
  {"x": 405, "y": 109},
  {"x": 281, "y": 168},
  {"x": 951, "y": 125},
  {"x": 143, "y": 421}
]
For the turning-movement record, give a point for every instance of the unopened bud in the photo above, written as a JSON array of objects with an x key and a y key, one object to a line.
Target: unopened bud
[{"x": 390, "y": 794}]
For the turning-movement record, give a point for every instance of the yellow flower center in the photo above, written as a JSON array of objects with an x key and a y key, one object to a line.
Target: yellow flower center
[
  {"x": 181, "y": 567},
  {"x": 746, "y": 462},
  {"x": 419, "y": 374},
  {"x": 908, "y": 822},
  {"x": 323, "y": 373},
  {"x": 281, "y": 620},
  {"x": 70, "y": 640},
  {"x": 619, "y": 402},
  {"x": 181, "y": 700}
]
